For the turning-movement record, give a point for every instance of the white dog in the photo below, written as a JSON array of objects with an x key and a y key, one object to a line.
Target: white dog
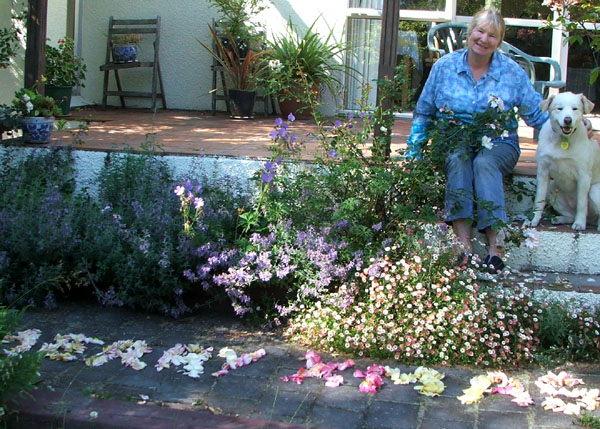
[{"x": 566, "y": 155}]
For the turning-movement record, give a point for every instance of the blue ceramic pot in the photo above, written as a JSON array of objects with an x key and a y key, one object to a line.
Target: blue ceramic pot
[
  {"x": 125, "y": 53},
  {"x": 37, "y": 129}
]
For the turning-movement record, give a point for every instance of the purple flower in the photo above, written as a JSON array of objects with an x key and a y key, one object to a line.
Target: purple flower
[
  {"x": 187, "y": 185},
  {"x": 278, "y": 122},
  {"x": 350, "y": 116},
  {"x": 377, "y": 227},
  {"x": 282, "y": 132},
  {"x": 291, "y": 117},
  {"x": 337, "y": 123},
  {"x": 269, "y": 166},
  {"x": 267, "y": 177},
  {"x": 278, "y": 160},
  {"x": 273, "y": 134},
  {"x": 179, "y": 190},
  {"x": 198, "y": 203},
  {"x": 362, "y": 115},
  {"x": 332, "y": 153}
]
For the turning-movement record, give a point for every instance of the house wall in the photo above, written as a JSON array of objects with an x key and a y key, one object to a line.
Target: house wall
[
  {"x": 56, "y": 27},
  {"x": 185, "y": 65},
  {"x": 11, "y": 78}
]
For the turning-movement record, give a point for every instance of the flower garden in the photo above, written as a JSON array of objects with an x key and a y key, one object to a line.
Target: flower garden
[{"x": 347, "y": 254}]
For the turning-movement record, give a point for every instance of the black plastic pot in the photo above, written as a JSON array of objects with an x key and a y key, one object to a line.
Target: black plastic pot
[
  {"x": 241, "y": 103},
  {"x": 62, "y": 96}
]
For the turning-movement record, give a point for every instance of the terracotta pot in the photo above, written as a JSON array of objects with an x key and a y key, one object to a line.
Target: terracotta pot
[{"x": 299, "y": 108}]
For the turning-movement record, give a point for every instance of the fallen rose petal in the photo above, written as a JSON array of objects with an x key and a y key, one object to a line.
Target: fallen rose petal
[
  {"x": 312, "y": 358},
  {"x": 358, "y": 374},
  {"x": 334, "y": 381}
]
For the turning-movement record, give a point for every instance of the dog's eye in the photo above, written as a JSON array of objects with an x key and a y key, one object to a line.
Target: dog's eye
[
  {"x": 559, "y": 108},
  {"x": 575, "y": 108}
]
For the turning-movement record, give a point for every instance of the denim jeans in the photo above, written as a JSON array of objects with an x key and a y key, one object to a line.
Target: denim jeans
[{"x": 475, "y": 179}]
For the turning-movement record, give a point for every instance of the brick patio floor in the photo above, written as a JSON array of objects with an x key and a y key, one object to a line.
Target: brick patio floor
[{"x": 184, "y": 132}]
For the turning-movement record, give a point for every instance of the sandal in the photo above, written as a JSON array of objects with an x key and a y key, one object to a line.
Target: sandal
[{"x": 494, "y": 264}]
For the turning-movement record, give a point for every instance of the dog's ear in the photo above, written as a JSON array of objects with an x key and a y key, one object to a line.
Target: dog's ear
[
  {"x": 587, "y": 104},
  {"x": 545, "y": 104}
]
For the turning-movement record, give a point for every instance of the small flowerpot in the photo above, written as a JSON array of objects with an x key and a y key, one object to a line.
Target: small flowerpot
[
  {"x": 62, "y": 96},
  {"x": 241, "y": 103},
  {"x": 124, "y": 53},
  {"x": 37, "y": 129}
]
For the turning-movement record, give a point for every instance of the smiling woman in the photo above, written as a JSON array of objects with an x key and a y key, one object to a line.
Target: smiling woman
[{"x": 462, "y": 82}]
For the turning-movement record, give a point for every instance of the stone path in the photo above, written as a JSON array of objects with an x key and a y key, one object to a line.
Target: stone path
[{"x": 251, "y": 396}]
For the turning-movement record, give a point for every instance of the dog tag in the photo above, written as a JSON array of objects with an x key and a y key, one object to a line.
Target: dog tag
[{"x": 564, "y": 145}]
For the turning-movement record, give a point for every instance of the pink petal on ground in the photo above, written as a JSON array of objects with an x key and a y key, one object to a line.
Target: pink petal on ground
[
  {"x": 345, "y": 365},
  {"x": 312, "y": 358},
  {"x": 359, "y": 374},
  {"x": 367, "y": 387},
  {"x": 334, "y": 381}
]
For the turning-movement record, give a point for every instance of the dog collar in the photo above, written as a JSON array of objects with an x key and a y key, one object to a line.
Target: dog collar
[{"x": 564, "y": 144}]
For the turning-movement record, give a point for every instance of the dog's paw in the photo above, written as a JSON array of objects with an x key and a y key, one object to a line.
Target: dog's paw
[
  {"x": 533, "y": 222},
  {"x": 578, "y": 226}
]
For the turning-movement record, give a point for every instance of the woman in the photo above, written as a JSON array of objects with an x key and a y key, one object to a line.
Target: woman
[{"x": 463, "y": 81}]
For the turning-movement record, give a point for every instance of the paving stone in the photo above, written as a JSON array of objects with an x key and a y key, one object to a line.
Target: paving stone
[
  {"x": 448, "y": 409},
  {"x": 501, "y": 403},
  {"x": 392, "y": 415},
  {"x": 399, "y": 393},
  {"x": 502, "y": 420},
  {"x": 550, "y": 419},
  {"x": 235, "y": 387},
  {"x": 346, "y": 397},
  {"x": 264, "y": 367},
  {"x": 224, "y": 404},
  {"x": 443, "y": 424},
  {"x": 176, "y": 387},
  {"x": 332, "y": 418},
  {"x": 287, "y": 403}
]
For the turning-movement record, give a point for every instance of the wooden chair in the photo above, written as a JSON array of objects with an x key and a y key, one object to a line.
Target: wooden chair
[
  {"x": 452, "y": 36},
  {"x": 133, "y": 26}
]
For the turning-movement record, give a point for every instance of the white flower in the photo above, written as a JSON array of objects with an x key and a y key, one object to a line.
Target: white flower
[
  {"x": 93, "y": 415},
  {"x": 275, "y": 64},
  {"x": 496, "y": 103},
  {"x": 383, "y": 129},
  {"x": 486, "y": 142},
  {"x": 26, "y": 97},
  {"x": 29, "y": 106}
]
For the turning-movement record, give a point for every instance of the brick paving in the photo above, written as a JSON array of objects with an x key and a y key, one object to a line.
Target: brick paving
[
  {"x": 185, "y": 132},
  {"x": 249, "y": 397}
]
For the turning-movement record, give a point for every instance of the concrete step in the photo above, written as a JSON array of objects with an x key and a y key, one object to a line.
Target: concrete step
[{"x": 559, "y": 248}]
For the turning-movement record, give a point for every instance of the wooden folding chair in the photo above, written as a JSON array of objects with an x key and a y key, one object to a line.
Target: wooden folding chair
[{"x": 133, "y": 26}]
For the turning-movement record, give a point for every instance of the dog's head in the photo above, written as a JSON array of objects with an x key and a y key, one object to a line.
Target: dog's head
[{"x": 567, "y": 110}]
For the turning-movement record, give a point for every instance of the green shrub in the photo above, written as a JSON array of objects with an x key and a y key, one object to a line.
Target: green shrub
[{"x": 18, "y": 372}]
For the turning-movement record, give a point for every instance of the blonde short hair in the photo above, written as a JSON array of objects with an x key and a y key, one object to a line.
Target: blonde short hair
[{"x": 489, "y": 18}]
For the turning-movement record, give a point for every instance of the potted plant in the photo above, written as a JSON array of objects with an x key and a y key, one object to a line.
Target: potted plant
[
  {"x": 64, "y": 70},
  {"x": 299, "y": 65},
  {"x": 36, "y": 114},
  {"x": 235, "y": 22},
  {"x": 125, "y": 47},
  {"x": 243, "y": 72}
]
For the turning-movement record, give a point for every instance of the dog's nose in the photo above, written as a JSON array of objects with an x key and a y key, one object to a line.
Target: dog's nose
[{"x": 568, "y": 120}]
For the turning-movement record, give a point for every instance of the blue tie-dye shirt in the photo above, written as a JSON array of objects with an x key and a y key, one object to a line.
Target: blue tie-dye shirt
[{"x": 451, "y": 85}]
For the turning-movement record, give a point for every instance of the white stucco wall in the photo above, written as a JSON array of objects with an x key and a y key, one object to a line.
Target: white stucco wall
[
  {"x": 185, "y": 66},
  {"x": 11, "y": 79},
  {"x": 56, "y": 20}
]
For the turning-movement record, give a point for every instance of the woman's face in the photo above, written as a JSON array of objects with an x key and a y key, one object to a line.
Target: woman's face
[{"x": 484, "y": 40}]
